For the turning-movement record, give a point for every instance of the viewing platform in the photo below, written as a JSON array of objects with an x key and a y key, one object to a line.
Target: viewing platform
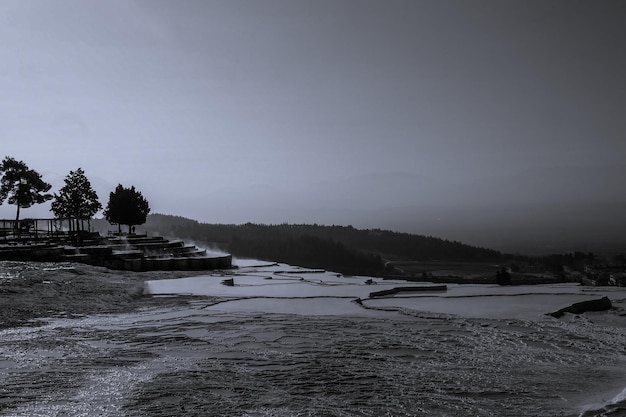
[{"x": 25, "y": 241}]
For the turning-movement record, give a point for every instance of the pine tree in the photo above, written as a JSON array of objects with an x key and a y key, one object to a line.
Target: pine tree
[
  {"x": 126, "y": 206},
  {"x": 76, "y": 200},
  {"x": 22, "y": 185}
]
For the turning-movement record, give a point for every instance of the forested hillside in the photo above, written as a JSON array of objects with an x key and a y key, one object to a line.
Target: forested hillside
[{"x": 340, "y": 248}]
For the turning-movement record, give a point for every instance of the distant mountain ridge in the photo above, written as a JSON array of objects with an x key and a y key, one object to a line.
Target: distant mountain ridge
[
  {"x": 340, "y": 248},
  {"x": 538, "y": 210}
]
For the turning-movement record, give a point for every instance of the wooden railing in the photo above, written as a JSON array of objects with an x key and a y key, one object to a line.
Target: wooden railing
[{"x": 38, "y": 227}]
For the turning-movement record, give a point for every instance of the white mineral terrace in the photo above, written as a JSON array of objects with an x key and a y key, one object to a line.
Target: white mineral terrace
[
  {"x": 280, "y": 340},
  {"x": 281, "y": 288}
]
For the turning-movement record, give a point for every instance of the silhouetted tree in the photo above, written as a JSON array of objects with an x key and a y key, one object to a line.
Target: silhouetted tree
[
  {"x": 503, "y": 277},
  {"x": 76, "y": 200},
  {"x": 22, "y": 185},
  {"x": 126, "y": 206}
]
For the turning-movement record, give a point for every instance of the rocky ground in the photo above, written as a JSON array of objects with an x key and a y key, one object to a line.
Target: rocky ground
[
  {"x": 31, "y": 290},
  {"x": 128, "y": 354}
]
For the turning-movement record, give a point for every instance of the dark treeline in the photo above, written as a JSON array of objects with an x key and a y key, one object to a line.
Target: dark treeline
[
  {"x": 340, "y": 248},
  {"x": 556, "y": 262},
  {"x": 304, "y": 250}
]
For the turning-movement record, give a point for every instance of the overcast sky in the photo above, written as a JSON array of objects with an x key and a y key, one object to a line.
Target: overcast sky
[{"x": 285, "y": 110}]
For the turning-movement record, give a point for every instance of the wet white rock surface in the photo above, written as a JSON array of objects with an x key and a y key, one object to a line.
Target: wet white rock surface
[{"x": 276, "y": 355}]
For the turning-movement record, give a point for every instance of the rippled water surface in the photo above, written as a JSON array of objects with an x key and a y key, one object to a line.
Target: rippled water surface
[{"x": 246, "y": 355}]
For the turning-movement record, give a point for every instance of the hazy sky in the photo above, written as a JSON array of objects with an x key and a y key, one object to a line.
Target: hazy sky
[{"x": 287, "y": 110}]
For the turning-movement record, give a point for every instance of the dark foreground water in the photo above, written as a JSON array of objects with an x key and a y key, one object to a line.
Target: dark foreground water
[{"x": 204, "y": 358}]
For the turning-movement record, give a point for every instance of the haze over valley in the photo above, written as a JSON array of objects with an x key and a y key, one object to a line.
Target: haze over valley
[{"x": 499, "y": 125}]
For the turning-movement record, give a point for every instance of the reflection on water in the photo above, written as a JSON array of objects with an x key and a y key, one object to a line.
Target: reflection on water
[{"x": 280, "y": 288}]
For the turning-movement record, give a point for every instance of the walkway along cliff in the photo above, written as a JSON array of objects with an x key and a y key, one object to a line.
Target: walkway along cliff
[{"x": 24, "y": 241}]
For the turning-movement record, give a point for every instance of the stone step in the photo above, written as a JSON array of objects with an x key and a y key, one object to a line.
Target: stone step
[{"x": 135, "y": 253}]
